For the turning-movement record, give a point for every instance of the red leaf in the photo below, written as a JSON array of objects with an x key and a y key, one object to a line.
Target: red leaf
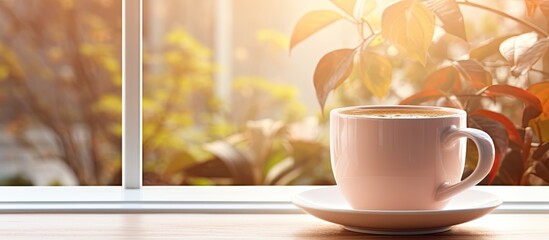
[
  {"x": 509, "y": 126},
  {"x": 332, "y": 69},
  {"x": 495, "y": 168},
  {"x": 445, "y": 79},
  {"x": 424, "y": 96},
  {"x": 528, "y": 135},
  {"x": 533, "y": 105},
  {"x": 462, "y": 76},
  {"x": 473, "y": 74},
  {"x": 498, "y": 133}
]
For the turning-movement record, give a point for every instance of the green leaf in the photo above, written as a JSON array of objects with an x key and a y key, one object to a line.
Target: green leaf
[
  {"x": 523, "y": 51},
  {"x": 409, "y": 25},
  {"x": 261, "y": 135},
  {"x": 332, "y": 69},
  {"x": 376, "y": 73},
  {"x": 279, "y": 170},
  {"x": 488, "y": 48},
  {"x": 450, "y": 15},
  {"x": 311, "y": 23}
]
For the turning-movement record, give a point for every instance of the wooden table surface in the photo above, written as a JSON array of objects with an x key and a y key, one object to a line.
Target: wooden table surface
[{"x": 243, "y": 226}]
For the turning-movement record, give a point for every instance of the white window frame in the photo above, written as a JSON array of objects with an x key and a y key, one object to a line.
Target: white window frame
[{"x": 133, "y": 197}]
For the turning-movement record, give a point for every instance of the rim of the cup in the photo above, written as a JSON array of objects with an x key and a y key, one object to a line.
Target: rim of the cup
[{"x": 456, "y": 112}]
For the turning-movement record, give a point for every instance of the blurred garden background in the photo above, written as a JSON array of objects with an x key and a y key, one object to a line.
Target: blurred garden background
[
  {"x": 224, "y": 100},
  {"x": 60, "y": 80}
]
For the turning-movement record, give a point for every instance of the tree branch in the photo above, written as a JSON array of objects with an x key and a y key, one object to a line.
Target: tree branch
[{"x": 505, "y": 15}]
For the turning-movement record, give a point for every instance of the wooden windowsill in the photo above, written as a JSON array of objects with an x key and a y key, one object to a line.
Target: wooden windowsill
[{"x": 241, "y": 226}]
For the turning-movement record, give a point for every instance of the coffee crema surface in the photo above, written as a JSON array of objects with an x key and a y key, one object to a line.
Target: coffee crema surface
[{"x": 397, "y": 113}]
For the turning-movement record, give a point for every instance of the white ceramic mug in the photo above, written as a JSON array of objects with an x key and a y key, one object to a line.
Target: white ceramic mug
[{"x": 411, "y": 160}]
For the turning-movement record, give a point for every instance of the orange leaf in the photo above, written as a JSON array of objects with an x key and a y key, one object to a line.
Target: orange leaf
[
  {"x": 541, "y": 123},
  {"x": 179, "y": 162},
  {"x": 533, "y": 105},
  {"x": 332, "y": 69},
  {"x": 446, "y": 79},
  {"x": 409, "y": 25},
  {"x": 541, "y": 91},
  {"x": 424, "y": 96},
  {"x": 488, "y": 48},
  {"x": 544, "y": 7},
  {"x": 311, "y": 23},
  {"x": 347, "y": 6},
  {"x": 531, "y": 6},
  {"x": 499, "y": 135}
]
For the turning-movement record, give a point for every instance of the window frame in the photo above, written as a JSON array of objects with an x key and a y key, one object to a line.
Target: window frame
[
  {"x": 209, "y": 199},
  {"x": 132, "y": 196}
]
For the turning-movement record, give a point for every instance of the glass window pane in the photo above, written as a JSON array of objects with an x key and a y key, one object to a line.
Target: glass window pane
[
  {"x": 60, "y": 92},
  {"x": 226, "y": 102}
]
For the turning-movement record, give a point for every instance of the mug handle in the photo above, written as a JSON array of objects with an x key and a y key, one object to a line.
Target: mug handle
[{"x": 485, "y": 148}]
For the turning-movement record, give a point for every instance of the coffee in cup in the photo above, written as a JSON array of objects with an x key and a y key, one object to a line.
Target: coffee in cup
[
  {"x": 396, "y": 113},
  {"x": 403, "y": 157}
]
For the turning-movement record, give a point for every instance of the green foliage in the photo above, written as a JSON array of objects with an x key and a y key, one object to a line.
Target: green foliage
[
  {"x": 190, "y": 136},
  {"x": 17, "y": 180},
  {"x": 267, "y": 152},
  {"x": 63, "y": 75}
]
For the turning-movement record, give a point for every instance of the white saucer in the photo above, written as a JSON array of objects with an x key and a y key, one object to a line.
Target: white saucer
[{"x": 328, "y": 204}]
